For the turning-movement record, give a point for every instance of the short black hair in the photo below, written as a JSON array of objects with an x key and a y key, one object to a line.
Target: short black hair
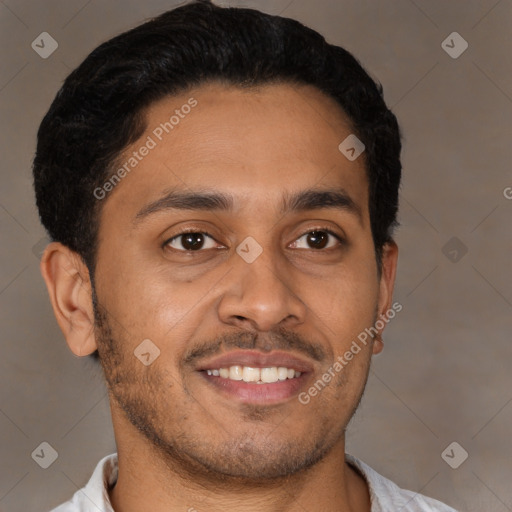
[{"x": 100, "y": 108}]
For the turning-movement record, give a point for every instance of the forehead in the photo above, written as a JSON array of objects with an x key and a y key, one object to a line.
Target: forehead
[{"x": 255, "y": 144}]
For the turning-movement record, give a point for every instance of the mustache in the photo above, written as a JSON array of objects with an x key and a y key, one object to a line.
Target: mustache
[{"x": 275, "y": 340}]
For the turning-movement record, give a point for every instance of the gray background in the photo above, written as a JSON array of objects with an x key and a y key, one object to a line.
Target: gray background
[{"x": 444, "y": 374}]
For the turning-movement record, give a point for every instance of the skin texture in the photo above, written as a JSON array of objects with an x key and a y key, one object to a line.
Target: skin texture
[{"x": 182, "y": 444}]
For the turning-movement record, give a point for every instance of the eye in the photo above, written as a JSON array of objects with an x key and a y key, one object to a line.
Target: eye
[
  {"x": 317, "y": 239},
  {"x": 193, "y": 241},
  {"x": 196, "y": 241}
]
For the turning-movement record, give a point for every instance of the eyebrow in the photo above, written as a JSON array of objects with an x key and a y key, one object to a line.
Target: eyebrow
[{"x": 305, "y": 200}]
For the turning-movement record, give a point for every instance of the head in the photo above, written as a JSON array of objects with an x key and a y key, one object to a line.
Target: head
[{"x": 190, "y": 177}]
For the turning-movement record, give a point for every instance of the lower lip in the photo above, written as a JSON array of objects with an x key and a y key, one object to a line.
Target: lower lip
[{"x": 253, "y": 393}]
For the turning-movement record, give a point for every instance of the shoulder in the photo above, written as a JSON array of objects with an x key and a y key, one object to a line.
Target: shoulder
[{"x": 386, "y": 496}]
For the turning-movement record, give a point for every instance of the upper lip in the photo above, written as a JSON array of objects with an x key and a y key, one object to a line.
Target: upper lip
[{"x": 256, "y": 359}]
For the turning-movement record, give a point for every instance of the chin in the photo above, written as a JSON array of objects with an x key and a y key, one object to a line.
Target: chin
[{"x": 255, "y": 459}]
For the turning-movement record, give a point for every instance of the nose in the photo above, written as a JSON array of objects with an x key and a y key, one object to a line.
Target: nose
[{"x": 261, "y": 296}]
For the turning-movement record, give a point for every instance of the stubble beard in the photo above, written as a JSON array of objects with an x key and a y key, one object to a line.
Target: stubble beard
[{"x": 243, "y": 459}]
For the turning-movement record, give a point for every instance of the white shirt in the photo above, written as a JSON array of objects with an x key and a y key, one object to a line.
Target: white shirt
[{"x": 385, "y": 495}]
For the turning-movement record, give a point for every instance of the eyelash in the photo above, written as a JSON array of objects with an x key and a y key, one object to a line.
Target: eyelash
[{"x": 186, "y": 231}]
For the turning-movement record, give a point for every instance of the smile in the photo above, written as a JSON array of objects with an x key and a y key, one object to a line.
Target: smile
[{"x": 256, "y": 375}]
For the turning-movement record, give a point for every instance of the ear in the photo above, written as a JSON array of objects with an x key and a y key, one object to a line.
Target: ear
[
  {"x": 386, "y": 286},
  {"x": 69, "y": 286}
]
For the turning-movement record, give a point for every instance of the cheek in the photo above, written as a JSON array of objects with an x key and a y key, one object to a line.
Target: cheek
[
  {"x": 352, "y": 379},
  {"x": 345, "y": 301},
  {"x": 151, "y": 304},
  {"x": 156, "y": 302}
]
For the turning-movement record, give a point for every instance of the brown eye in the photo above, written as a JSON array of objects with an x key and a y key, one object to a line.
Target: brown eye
[
  {"x": 317, "y": 239},
  {"x": 192, "y": 242}
]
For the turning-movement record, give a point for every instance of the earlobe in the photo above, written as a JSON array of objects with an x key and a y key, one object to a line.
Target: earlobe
[
  {"x": 378, "y": 344},
  {"x": 69, "y": 287}
]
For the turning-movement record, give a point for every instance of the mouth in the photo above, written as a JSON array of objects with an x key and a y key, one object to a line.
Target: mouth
[
  {"x": 258, "y": 375},
  {"x": 256, "y": 378}
]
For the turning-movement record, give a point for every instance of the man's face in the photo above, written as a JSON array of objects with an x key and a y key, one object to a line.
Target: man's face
[{"x": 294, "y": 295}]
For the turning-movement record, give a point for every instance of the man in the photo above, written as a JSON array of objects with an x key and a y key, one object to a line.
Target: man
[{"x": 221, "y": 187}]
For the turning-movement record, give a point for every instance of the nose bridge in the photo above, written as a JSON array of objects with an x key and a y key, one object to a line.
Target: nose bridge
[{"x": 260, "y": 290}]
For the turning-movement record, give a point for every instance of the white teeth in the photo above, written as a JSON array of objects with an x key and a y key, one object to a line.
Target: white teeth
[
  {"x": 269, "y": 374},
  {"x": 282, "y": 373},
  {"x": 235, "y": 373},
  {"x": 251, "y": 374},
  {"x": 258, "y": 375}
]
